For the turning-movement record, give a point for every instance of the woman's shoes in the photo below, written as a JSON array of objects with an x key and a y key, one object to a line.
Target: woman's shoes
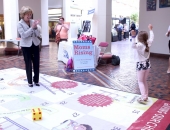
[
  {"x": 37, "y": 84},
  {"x": 30, "y": 85}
]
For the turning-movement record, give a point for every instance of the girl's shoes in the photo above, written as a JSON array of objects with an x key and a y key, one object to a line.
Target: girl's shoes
[
  {"x": 142, "y": 101},
  {"x": 30, "y": 85},
  {"x": 168, "y": 71}
]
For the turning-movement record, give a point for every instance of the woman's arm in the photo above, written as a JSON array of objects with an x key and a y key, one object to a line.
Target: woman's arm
[
  {"x": 36, "y": 32},
  {"x": 35, "y": 27},
  {"x": 65, "y": 26},
  {"x": 23, "y": 33}
]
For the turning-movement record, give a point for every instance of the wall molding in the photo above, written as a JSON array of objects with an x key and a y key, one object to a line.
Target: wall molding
[{"x": 160, "y": 55}]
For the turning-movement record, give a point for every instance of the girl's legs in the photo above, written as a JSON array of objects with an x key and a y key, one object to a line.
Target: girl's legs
[
  {"x": 168, "y": 71},
  {"x": 141, "y": 76},
  {"x": 142, "y": 82},
  {"x": 146, "y": 83}
]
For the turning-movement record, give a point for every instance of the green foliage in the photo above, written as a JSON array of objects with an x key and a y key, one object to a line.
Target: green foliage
[{"x": 134, "y": 17}]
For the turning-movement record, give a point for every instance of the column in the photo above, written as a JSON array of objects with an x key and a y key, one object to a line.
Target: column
[
  {"x": 66, "y": 10},
  {"x": 11, "y": 17},
  {"x": 102, "y": 21},
  {"x": 44, "y": 22}
]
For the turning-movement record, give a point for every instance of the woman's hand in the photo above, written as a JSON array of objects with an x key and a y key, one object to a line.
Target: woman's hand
[
  {"x": 34, "y": 25},
  {"x": 150, "y": 26},
  {"x": 63, "y": 25}
]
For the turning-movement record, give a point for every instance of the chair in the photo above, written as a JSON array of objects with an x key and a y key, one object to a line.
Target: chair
[{"x": 106, "y": 58}]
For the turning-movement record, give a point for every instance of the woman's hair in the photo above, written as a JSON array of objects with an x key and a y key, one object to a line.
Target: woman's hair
[
  {"x": 61, "y": 18},
  {"x": 24, "y": 10},
  {"x": 143, "y": 37}
]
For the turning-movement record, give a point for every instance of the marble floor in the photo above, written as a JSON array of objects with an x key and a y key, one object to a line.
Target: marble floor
[{"x": 122, "y": 77}]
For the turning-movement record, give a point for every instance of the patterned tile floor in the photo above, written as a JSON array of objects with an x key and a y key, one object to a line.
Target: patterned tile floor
[{"x": 121, "y": 77}]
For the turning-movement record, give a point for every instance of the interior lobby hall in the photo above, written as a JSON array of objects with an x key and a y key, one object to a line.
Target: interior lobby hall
[{"x": 104, "y": 99}]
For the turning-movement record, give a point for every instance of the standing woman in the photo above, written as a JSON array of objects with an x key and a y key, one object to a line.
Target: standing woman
[
  {"x": 62, "y": 29},
  {"x": 29, "y": 43},
  {"x": 168, "y": 35}
]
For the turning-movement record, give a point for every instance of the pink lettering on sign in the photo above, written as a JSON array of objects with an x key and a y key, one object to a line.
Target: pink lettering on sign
[
  {"x": 157, "y": 117},
  {"x": 77, "y": 52},
  {"x": 95, "y": 100},
  {"x": 82, "y": 50},
  {"x": 81, "y": 47}
]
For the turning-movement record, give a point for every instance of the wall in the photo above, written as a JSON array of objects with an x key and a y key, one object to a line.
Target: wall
[
  {"x": 1, "y": 7},
  {"x": 160, "y": 19},
  {"x": 36, "y": 7}
]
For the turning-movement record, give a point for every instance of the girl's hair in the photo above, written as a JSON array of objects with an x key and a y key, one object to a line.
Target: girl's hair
[
  {"x": 24, "y": 10},
  {"x": 143, "y": 37}
]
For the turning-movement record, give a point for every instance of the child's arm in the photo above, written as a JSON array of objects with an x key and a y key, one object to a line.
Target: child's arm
[
  {"x": 133, "y": 33},
  {"x": 151, "y": 37},
  {"x": 168, "y": 33}
]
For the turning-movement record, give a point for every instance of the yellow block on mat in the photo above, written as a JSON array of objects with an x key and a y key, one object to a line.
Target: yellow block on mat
[{"x": 36, "y": 114}]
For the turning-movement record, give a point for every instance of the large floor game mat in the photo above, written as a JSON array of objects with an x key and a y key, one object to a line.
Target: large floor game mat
[{"x": 61, "y": 104}]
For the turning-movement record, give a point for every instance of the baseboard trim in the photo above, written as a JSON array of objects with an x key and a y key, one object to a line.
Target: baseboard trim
[{"x": 159, "y": 55}]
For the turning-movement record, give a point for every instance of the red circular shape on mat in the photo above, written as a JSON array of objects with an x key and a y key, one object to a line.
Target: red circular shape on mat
[
  {"x": 64, "y": 84},
  {"x": 95, "y": 100}
]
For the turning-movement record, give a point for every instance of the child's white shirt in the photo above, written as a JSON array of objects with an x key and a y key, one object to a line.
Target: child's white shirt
[{"x": 142, "y": 55}]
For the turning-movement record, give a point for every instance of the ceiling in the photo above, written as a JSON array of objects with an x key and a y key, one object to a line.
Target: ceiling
[
  {"x": 81, "y": 4},
  {"x": 55, "y": 3},
  {"x": 55, "y": 7}
]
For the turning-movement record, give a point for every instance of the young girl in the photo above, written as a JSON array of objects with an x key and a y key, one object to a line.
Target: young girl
[{"x": 143, "y": 62}]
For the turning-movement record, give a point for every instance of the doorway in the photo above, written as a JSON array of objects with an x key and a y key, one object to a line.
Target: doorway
[
  {"x": 53, "y": 15},
  {"x": 2, "y": 34}
]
